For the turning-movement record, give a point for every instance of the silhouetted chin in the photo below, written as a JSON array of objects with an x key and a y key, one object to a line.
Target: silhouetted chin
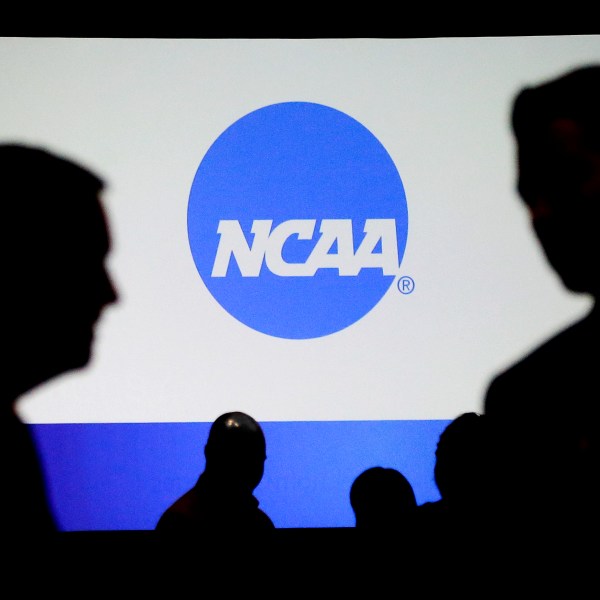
[
  {"x": 568, "y": 257},
  {"x": 577, "y": 286},
  {"x": 575, "y": 278},
  {"x": 75, "y": 363},
  {"x": 80, "y": 355}
]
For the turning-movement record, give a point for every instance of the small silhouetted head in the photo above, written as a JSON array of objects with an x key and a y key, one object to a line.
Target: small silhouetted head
[
  {"x": 236, "y": 450},
  {"x": 381, "y": 498}
]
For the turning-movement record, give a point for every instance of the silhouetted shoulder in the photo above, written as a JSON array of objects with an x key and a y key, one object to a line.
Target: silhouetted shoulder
[{"x": 551, "y": 372}]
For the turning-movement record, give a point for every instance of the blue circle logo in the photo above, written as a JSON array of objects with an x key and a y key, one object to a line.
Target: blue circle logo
[{"x": 297, "y": 220}]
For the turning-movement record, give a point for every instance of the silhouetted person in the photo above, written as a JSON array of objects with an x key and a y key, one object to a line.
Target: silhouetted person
[
  {"x": 460, "y": 474},
  {"x": 54, "y": 245},
  {"x": 544, "y": 408},
  {"x": 383, "y": 500},
  {"x": 222, "y": 502}
]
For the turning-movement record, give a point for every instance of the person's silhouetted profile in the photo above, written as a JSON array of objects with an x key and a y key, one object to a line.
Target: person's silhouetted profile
[
  {"x": 544, "y": 408},
  {"x": 383, "y": 500},
  {"x": 54, "y": 245},
  {"x": 222, "y": 502},
  {"x": 460, "y": 474}
]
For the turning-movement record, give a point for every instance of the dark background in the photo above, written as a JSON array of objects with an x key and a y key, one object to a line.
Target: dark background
[{"x": 249, "y": 20}]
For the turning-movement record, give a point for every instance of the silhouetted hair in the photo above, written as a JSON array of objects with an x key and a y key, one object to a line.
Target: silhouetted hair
[
  {"x": 36, "y": 174},
  {"x": 42, "y": 193},
  {"x": 575, "y": 95}
]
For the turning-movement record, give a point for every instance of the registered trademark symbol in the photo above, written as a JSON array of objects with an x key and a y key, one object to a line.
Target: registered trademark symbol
[{"x": 406, "y": 285}]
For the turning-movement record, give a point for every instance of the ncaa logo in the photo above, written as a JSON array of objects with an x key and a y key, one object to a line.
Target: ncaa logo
[{"x": 297, "y": 220}]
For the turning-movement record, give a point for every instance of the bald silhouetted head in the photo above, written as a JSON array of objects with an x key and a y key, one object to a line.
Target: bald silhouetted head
[{"x": 236, "y": 450}]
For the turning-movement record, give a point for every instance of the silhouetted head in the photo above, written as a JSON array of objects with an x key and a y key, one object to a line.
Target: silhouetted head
[
  {"x": 54, "y": 245},
  {"x": 461, "y": 459},
  {"x": 236, "y": 450},
  {"x": 381, "y": 498},
  {"x": 557, "y": 130}
]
